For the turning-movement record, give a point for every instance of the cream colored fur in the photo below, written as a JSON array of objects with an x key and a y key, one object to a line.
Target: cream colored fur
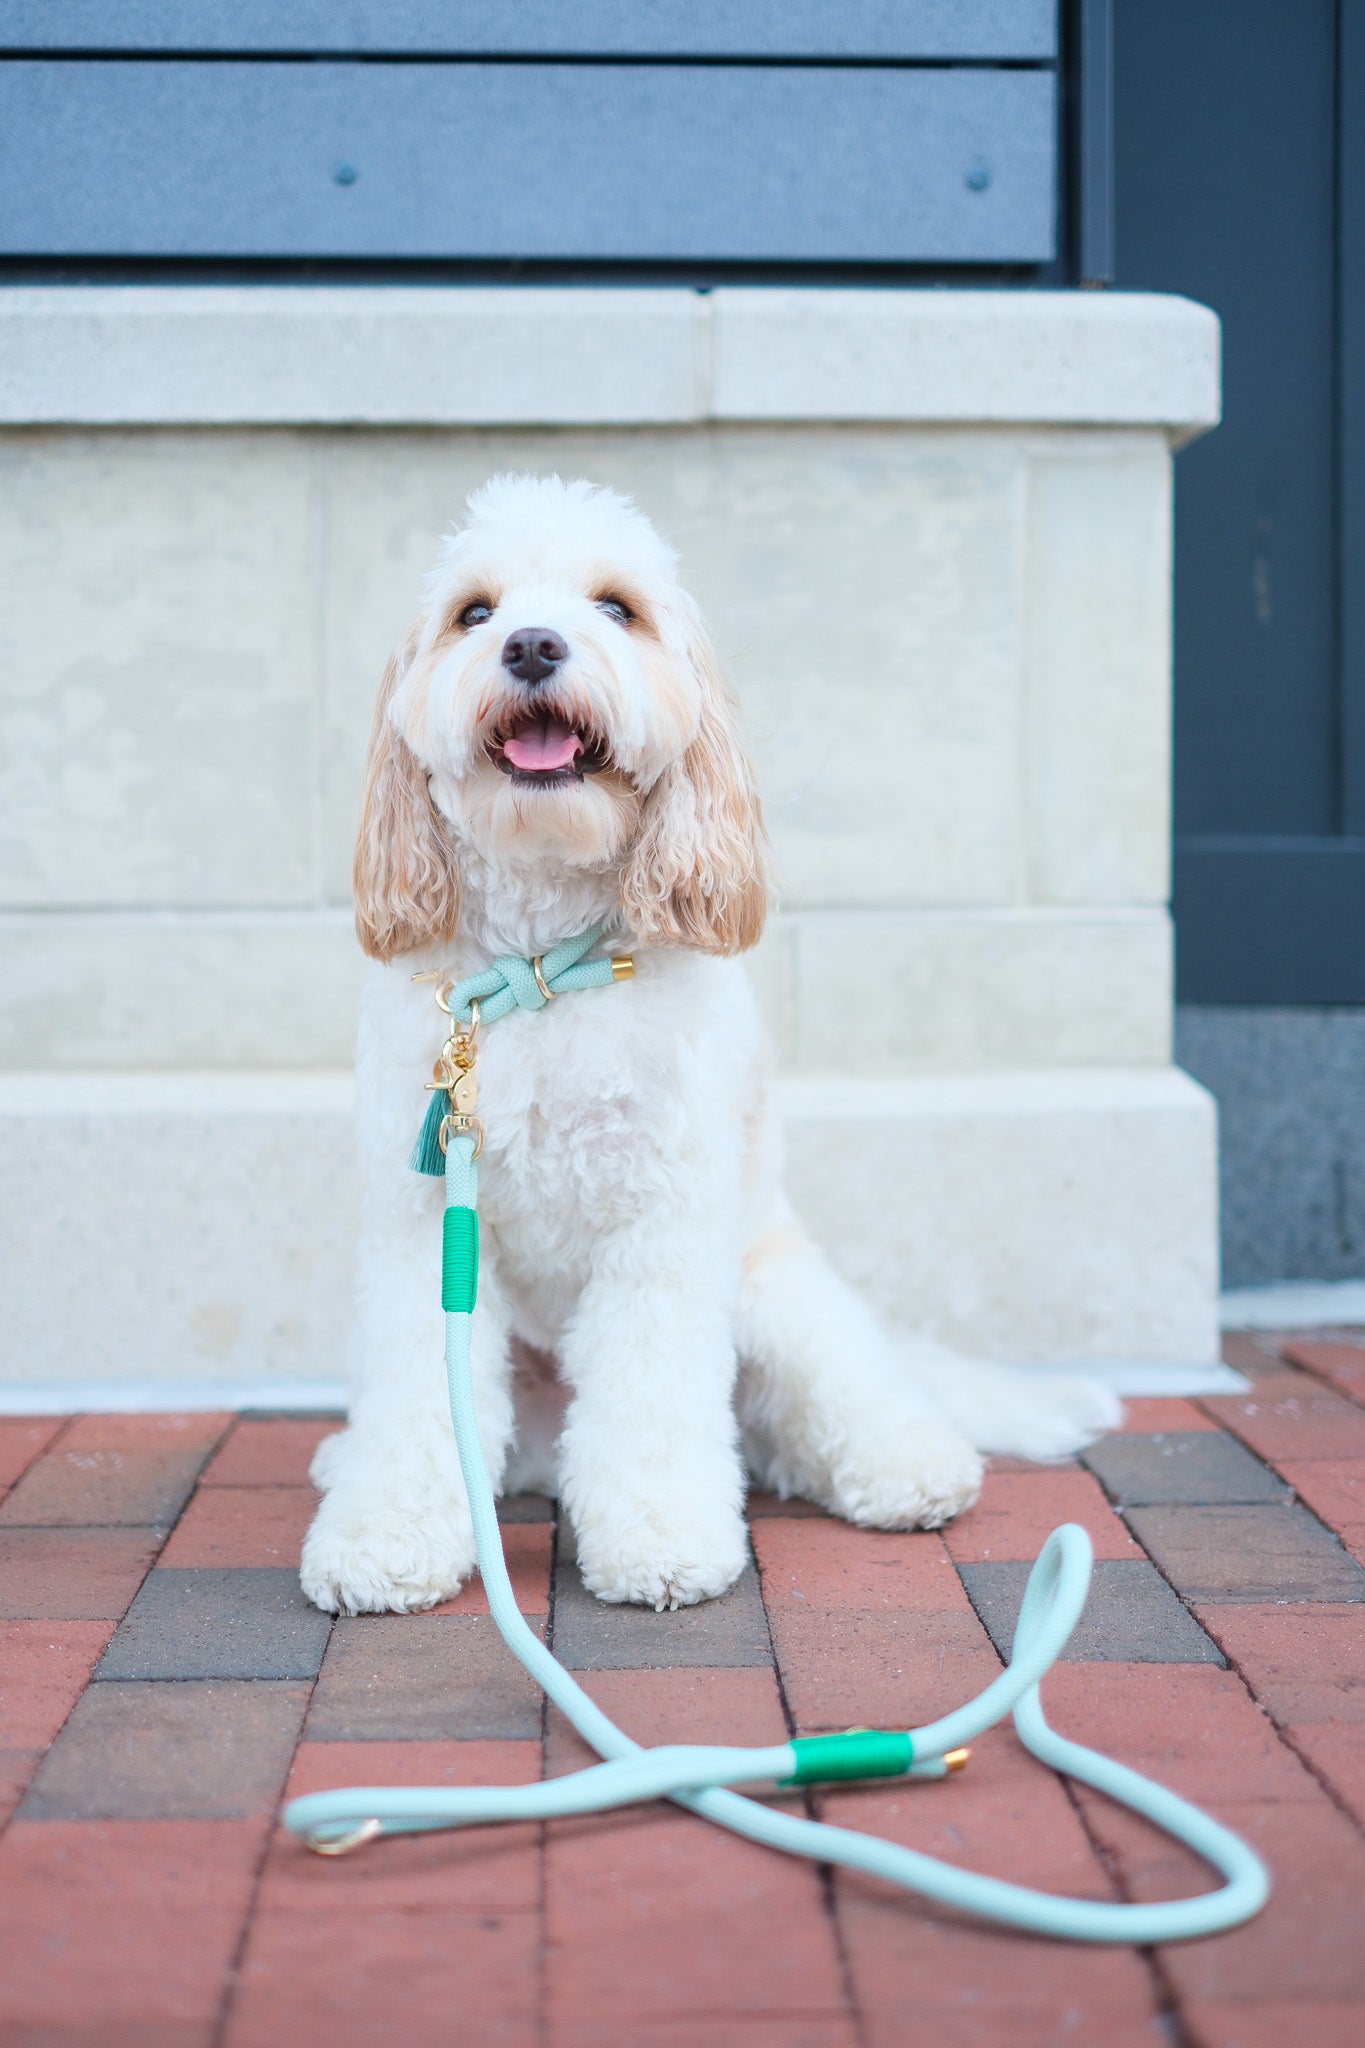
[{"x": 634, "y": 1227}]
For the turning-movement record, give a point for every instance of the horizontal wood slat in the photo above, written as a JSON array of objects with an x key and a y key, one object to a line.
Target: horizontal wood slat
[
  {"x": 1270, "y": 920},
  {"x": 1020, "y": 30},
  {"x": 497, "y": 161}
]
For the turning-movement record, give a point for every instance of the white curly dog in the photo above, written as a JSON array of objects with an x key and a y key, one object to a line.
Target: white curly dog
[{"x": 554, "y": 747}]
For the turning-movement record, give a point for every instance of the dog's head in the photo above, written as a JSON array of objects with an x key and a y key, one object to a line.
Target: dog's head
[{"x": 559, "y": 704}]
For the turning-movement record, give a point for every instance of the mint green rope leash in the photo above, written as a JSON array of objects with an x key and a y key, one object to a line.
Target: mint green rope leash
[{"x": 695, "y": 1776}]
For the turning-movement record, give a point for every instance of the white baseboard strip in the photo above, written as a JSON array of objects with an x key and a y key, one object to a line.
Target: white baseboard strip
[
  {"x": 1140, "y": 1377},
  {"x": 167, "y": 1397},
  {"x": 1295, "y": 1305},
  {"x": 1134, "y": 1377}
]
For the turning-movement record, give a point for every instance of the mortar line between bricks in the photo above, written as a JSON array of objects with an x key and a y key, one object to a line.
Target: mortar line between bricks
[
  {"x": 1316, "y": 1379},
  {"x": 1331, "y": 1386},
  {"x": 1284, "y": 1737},
  {"x": 1323, "y": 1379},
  {"x": 64, "y": 1429},
  {"x": 1165, "y": 2005},
  {"x": 543, "y": 1828},
  {"x": 1295, "y": 1500},
  {"x": 1324, "y": 1784},
  {"x": 1166, "y": 1579},
  {"x": 233, "y": 1974},
  {"x": 1169, "y": 2016},
  {"x": 1280, "y": 1733},
  {"x": 825, "y": 1872},
  {"x": 118, "y": 1620}
]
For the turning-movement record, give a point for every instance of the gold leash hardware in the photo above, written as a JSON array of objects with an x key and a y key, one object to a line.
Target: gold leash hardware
[
  {"x": 541, "y": 983},
  {"x": 342, "y": 1845},
  {"x": 454, "y": 1072},
  {"x": 623, "y": 967},
  {"x": 956, "y": 1759}
]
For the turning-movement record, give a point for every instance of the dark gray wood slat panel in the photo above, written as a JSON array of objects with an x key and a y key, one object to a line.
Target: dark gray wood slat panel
[
  {"x": 530, "y": 161},
  {"x": 1022, "y": 30},
  {"x": 1351, "y": 372},
  {"x": 1093, "y": 58},
  {"x": 1270, "y": 920},
  {"x": 1224, "y": 178}
]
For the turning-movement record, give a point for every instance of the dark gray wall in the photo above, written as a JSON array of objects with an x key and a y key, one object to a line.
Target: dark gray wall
[
  {"x": 1240, "y": 179},
  {"x": 1240, "y": 149},
  {"x": 1290, "y": 1085}
]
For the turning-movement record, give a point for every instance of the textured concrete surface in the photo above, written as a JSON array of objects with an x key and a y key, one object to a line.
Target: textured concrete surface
[
  {"x": 1290, "y": 1087},
  {"x": 1034, "y": 1214}
]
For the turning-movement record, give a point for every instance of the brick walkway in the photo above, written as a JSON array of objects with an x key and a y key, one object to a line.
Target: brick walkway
[{"x": 163, "y": 1686}]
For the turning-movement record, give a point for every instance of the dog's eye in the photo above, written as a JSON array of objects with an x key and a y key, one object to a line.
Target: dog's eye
[
  {"x": 615, "y": 608},
  {"x": 476, "y": 613}
]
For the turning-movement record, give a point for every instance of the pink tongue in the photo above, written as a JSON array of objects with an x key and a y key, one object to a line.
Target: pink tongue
[{"x": 543, "y": 743}]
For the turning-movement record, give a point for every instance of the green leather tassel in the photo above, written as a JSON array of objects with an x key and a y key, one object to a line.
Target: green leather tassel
[{"x": 426, "y": 1155}]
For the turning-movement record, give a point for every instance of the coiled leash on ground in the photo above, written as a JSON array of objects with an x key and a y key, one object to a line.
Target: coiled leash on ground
[{"x": 696, "y": 1777}]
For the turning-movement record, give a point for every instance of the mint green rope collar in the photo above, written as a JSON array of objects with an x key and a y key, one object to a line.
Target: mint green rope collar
[
  {"x": 512, "y": 983},
  {"x": 698, "y": 1777}
]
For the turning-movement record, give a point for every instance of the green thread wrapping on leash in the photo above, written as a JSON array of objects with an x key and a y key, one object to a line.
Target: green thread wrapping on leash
[
  {"x": 861, "y": 1753},
  {"x": 459, "y": 1261}
]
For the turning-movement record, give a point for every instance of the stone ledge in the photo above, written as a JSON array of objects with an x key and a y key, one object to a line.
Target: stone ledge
[
  {"x": 201, "y": 1226},
  {"x": 237, "y": 355}
]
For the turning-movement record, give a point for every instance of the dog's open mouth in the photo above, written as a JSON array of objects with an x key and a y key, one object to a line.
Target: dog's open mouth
[{"x": 544, "y": 749}]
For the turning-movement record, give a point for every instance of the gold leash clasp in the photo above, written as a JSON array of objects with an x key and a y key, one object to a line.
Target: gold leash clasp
[
  {"x": 454, "y": 1068},
  {"x": 342, "y": 1845}
]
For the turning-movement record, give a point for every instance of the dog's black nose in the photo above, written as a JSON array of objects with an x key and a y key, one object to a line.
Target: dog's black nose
[{"x": 532, "y": 653}]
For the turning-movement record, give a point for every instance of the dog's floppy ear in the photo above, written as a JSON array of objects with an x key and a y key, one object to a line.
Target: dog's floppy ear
[
  {"x": 698, "y": 873},
  {"x": 406, "y": 890}
]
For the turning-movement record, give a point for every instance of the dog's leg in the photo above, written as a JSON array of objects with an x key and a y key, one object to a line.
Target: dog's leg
[
  {"x": 393, "y": 1532},
  {"x": 827, "y": 1408},
  {"x": 650, "y": 1467}
]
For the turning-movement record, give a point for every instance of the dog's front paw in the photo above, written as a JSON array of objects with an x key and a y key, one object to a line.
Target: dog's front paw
[
  {"x": 912, "y": 1475},
  {"x": 367, "y": 1554},
  {"x": 661, "y": 1561}
]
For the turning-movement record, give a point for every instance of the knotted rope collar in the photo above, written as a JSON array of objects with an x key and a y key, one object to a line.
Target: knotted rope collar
[{"x": 511, "y": 983}]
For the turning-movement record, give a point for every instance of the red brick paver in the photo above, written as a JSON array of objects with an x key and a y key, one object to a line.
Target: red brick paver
[
  {"x": 268, "y": 1453},
  {"x": 22, "y": 1439},
  {"x": 1290, "y": 1415},
  {"x": 1163, "y": 1412},
  {"x": 121, "y": 1933},
  {"x": 1018, "y": 1511},
  {"x": 1342, "y": 1364},
  {"x": 107, "y": 1469},
  {"x": 150, "y": 1899}
]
